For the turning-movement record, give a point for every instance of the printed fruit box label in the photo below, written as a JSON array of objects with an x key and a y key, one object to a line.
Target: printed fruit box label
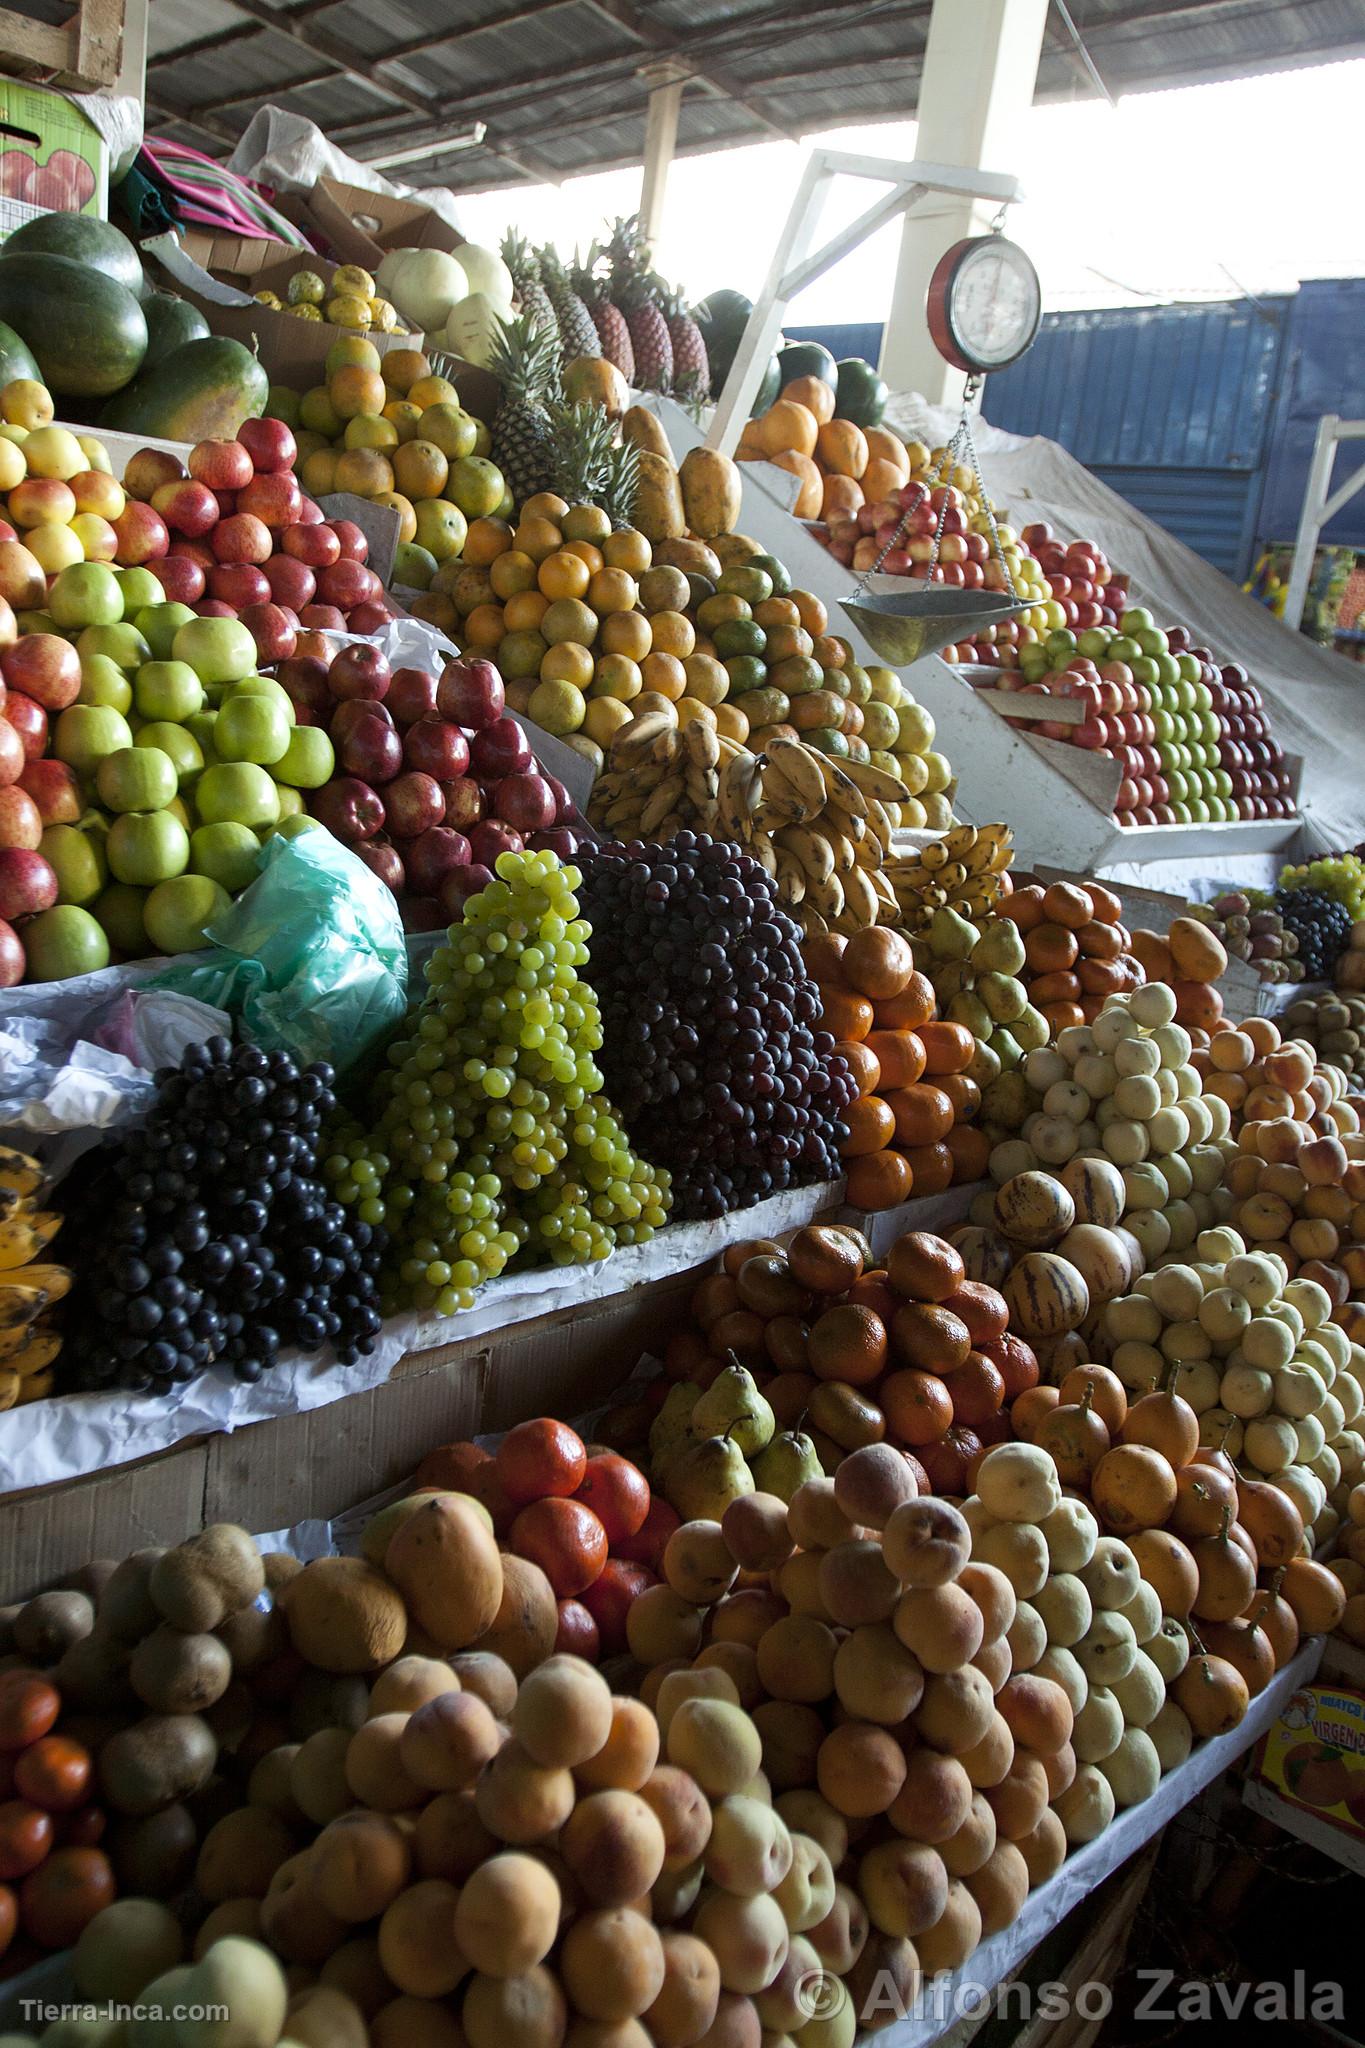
[
  {"x": 52, "y": 159},
  {"x": 1314, "y": 1755}
]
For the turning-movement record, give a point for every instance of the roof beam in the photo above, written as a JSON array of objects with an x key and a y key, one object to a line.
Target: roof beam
[{"x": 628, "y": 17}]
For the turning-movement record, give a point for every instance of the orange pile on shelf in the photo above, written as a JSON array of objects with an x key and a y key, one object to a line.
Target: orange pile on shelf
[
  {"x": 910, "y": 1130},
  {"x": 840, "y": 466},
  {"x": 1191, "y": 959},
  {"x": 1077, "y": 949}
]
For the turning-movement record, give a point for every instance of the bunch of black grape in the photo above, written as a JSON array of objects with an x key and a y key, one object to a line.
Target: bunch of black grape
[
  {"x": 1322, "y": 926},
  {"x": 206, "y": 1235},
  {"x": 712, "y": 1050}
]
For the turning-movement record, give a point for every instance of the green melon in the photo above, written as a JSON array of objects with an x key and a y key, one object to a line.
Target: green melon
[{"x": 171, "y": 322}]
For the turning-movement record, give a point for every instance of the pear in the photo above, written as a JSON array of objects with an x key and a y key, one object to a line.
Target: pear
[
  {"x": 672, "y": 1424},
  {"x": 706, "y": 1476},
  {"x": 950, "y": 934},
  {"x": 969, "y": 1009},
  {"x": 984, "y": 1065},
  {"x": 1008, "y": 1049},
  {"x": 1000, "y": 948},
  {"x": 733, "y": 1406},
  {"x": 1004, "y": 998},
  {"x": 788, "y": 1462}
]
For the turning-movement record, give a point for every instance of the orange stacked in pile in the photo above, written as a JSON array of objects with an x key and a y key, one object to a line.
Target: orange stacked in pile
[
  {"x": 909, "y": 1130},
  {"x": 1077, "y": 949},
  {"x": 840, "y": 466}
]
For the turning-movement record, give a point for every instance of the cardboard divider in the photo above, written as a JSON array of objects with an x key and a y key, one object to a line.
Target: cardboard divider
[{"x": 361, "y": 226}]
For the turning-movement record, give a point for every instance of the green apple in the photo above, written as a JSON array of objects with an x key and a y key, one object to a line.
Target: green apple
[
  {"x": 78, "y": 860},
  {"x": 159, "y": 623},
  {"x": 1135, "y": 620},
  {"x": 177, "y": 911},
  {"x": 122, "y": 643},
  {"x": 218, "y": 650},
  {"x": 35, "y": 622},
  {"x": 147, "y": 847},
  {"x": 103, "y": 682},
  {"x": 136, "y": 779},
  {"x": 295, "y": 827},
  {"x": 262, "y": 686},
  {"x": 309, "y": 760},
  {"x": 291, "y": 800},
  {"x": 63, "y": 941},
  {"x": 140, "y": 588},
  {"x": 199, "y": 725},
  {"x": 237, "y": 792},
  {"x": 119, "y": 910},
  {"x": 250, "y": 728},
  {"x": 87, "y": 732},
  {"x": 227, "y": 853},
  {"x": 86, "y": 594},
  {"x": 179, "y": 743},
  {"x": 168, "y": 689}
]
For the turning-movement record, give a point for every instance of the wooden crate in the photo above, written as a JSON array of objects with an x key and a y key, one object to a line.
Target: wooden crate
[{"x": 81, "y": 55}]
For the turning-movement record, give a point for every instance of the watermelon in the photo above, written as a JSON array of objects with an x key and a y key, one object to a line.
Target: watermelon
[
  {"x": 808, "y": 359},
  {"x": 15, "y": 357},
  {"x": 87, "y": 333},
  {"x": 770, "y": 384},
  {"x": 170, "y": 323},
  {"x": 722, "y": 319},
  {"x": 201, "y": 391},
  {"x": 83, "y": 240},
  {"x": 860, "y": 394}
]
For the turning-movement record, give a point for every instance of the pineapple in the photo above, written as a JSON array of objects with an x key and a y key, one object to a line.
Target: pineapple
[
  {"x": 583, "y": 440},
  {"x": 620, "y": 482},
  {"x": 525, "y": 361},
  {"x": 521, "y": 260},
  {"x": 577, "y": 332},
  {"x": 612, "y": 331},
  {"x": 691, "y": 368},
  {"x": 635, "y": 290}
]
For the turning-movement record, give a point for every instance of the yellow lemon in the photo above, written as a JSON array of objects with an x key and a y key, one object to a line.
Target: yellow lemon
[{"x": 351, "y": 282}]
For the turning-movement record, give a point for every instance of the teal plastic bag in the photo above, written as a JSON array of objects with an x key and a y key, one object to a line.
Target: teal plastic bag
[{"x": 311, "y": 957}]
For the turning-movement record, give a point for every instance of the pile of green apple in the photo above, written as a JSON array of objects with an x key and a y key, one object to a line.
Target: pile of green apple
[{"x": 166, "y": 761}]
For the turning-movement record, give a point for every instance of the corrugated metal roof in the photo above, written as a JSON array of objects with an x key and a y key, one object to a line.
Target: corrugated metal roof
[{"x": 562, "y": 84}]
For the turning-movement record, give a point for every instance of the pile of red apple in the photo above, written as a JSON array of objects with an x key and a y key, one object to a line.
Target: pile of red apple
[
  {"x": 436, "y": 777},
  {"x": 882, "y": 536},
  {"x": 234, "y": 536}
]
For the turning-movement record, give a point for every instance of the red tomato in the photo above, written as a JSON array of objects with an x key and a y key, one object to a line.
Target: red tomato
[
  {"x": 608, "y": 1600},
  {"x": 9, "y": 1917},
  {"x": 57, "y": 1902},
  {"x": 29, "y": 1706},
  {"x": 25, "y": 1838},
  {"x": 540, "y": 1460},
  {"x": 617, "y": 1492},
  {"x": 54, "y": 1773},
  {"x": 82, "y": 1829}
]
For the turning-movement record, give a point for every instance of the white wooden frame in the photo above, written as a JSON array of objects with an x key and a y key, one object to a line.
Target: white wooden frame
[
  {"x": 795, "y": 265},
  {"x": 1320, "y": 504}
]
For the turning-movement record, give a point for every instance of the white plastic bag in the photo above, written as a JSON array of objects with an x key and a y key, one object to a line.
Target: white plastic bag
[{"x": 290, "y": 153}]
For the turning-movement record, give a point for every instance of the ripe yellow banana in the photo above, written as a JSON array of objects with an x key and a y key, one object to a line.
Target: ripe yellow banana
[
  {"x": 827, "y": 896},
  {"x": 55, "y": 1281},
  {"x": 661, "y": 800},
  {"x": 799, "y": 767},
  {"x": 20, "y": 1303},
  {"x": 839, "y": 787},
  {"x": 36, "y": 1355},
  {"x": 811, "y": 850},
  {"x": 838, "y": 818},
  {"x": 765, "y": 853},
  {"x": 812, "y": 924},
  {"x": 702, "y": 744},
  {"x": 39, "y": 1386},
  {"x": 873, "y": 781},
  {"x": 20, "y": 1174},
  {"x": 25, "y": 1236},
  {"x": 652, "y": 736},
  {"x": 860, "y": 898},
  {"x": 791, "y": 879},
  {"x": 841, "y": 848},
  {"x": 10, "y": 1384},
  {"x": 741, "y": 792}
]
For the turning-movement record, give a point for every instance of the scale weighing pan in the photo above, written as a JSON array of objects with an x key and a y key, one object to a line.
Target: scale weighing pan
[{"x": 902, "y": 627}]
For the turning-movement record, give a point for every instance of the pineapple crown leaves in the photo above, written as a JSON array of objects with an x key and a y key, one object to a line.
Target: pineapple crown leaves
[
  {"x": 525, "y": 360},
  {"x": 583, "y": 440},
  {"x": 621, "y": 483},
  {"x": 518, "y": 255}
]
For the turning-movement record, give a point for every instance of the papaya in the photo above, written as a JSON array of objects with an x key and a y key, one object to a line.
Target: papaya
[
  {"x": 658, "y": 500},
  {"x": 170, "y": 323},
  {"x": 82, "y": 239},
  {"x": 694, "y": 557},
  {"x": 201, "y": 391},
  {"x": 645, "y": 429},
  {"x": 87, "y": 332},
  {"x": 592, "y": 380},
  {"x": 711, "y": 491},
  {"x": 16, "y": 360}
]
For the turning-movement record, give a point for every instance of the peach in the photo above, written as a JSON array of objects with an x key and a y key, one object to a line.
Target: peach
[
  {"x": 1043, "y": 1848},
  {"x": 268, "y": 1785},
  {"x": 927, "y": 1542},
  {"x": 529, "y": 2010},
  {"x": 974, "y": 1841},
  {"x": 613, "y": 1844},
  {"x": 748, "y": 1937},
  {"x": 740, "y": 1665},
  {"x": 904, "y": 1886},
  {"x": 941, "y": 1626},
  {"x": 855, "y": 1585},
  {"x": 520, "y": 1800},
  {"x": 955, "y": 1934},
  {"x": 782, "y": 2005},
  {"x": 447, "y": 1741},
  {"x": 717, "y": 1743},
  {"x": 736, "y": 2024},
  {"x": 355, "y": 1968},
  {"x": 956, "y": 1710},
  {"x": 691, "y": 1682},
  {"x": 415, "y": 2023},
  {"x": 683, "y": 1812},
  {"x": 507, "y": 1918},
  {"x": 814, "y": 1517},
  {"x": 750, "y": 1849},
  {"x": 488, "y": 1678},
  {"x": 688, "y": 2000},
  {"x": 417, "y": 1943},
  {"x": 796, "y": 1659},
  {"x": 234, "y": 1916},
  {"x": 240, "y": 1855},
  {"x": 934, "y": 1800},
  {"x": 1038, "y": 1712},
  {"x": 884, "y": 1982},
  {"x": 323, "y": 2017},
  {"x": 317, "y": 1776},
  {"x": 860, "y": 1769},
  {"x": 876, "y": 1677},
  {"x": 744, "y": 1617},
  {"x": 1019, "y": 1799},
  {"x": 809, "y": 1813},
  {"x": 839, "y": 1937},
  {"x": 409, "y": 1683},
  {"x": 361, "y": 1863},
  {"x": 522, "y": 1633},
  {"x": 563, "y": 1713},
  {"x": 1000, "y": 1887},
  {"x": 993, "y": 1594},
  {"x": 606, "y": 2034},
  {"x": 698, "y": 1563},
  {"x": 872, "y": 1484},
  {"x": 630, "y": 1751},
  {"x": 374, "y": 1767},
  {"x": 756, "y": 1533},
  {"x": 660, "y": 1624},
  {"x": 791, "y": 1735},
  {"x": 1060, "y": 1767},
  {"x": 612, "y": 1964},
  {"x": 294, "y": 1921},
  {"x": 988, "y": 1761},
  {"x": 995, "y": 1661},
  {"x": 449, "y": 1839}
]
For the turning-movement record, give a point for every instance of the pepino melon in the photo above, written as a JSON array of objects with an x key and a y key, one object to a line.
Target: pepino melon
[{"x": 1047, "y": 1296}]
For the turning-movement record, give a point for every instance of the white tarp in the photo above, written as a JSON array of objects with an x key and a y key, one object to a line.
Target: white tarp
[{"x": 1316, "y": 700}]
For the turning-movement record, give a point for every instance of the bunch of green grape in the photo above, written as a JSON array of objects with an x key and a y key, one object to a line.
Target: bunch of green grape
[
  {"x": 1339, "y": 875},
  {"x": 493, "y": 1137}
]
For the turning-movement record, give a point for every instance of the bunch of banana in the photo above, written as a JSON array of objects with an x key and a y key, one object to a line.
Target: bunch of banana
[
  {"x": 964, "y": 871},
  {"x": 29, "y": 1287},
  {"x": 660, "y": 778}
]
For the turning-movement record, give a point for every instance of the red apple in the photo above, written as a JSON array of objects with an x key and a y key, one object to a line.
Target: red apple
[
  {"x": 414, "y": 804},
  {"x": 465, "y": 802},
  {"x": 292, "y": 583},
  {"x": 222, "y": 465},
  {"x": 459, "y": 884},
  {"x": 354, "y": 546},
  {"x": 316, "y": 646},
  {"x": 500, "y": 749},
  {"x": 432, "y": 855},
  {"x": 23, "y": 585},
  {"x": 29, "y": 721},
  {"x": 141, "y": 534},
  {"x": 193, "y": 551},
  {"x": 238, "y": 584},
  {"x": 272, "y": 629},
  {"x": 490, "y": 837},
  {"x": 526, "y": 802},
  {"x": 44, "y": 667},
  {"x": 559, "y": 840},
  {"x": 214, "y": 608},
  {"x": 311, "y": 513},
  {"x": 385, "y": 861},
  {"x": 411, "y": 695},
  {"x": 347, "y": 583},
  {"x": 227, "y": 503},
  {"x": 269, "y": 443},
  {"x": 275, "y": 499},
  {"x": 316, "y": 545},
  {"x": 422, "y": 914},
  {"x": 325, "y": 617},
  {"x": 346, "y": 716},
  {"x": 471, "y": 693},
  {"x": 12, "y": 961},
  {"x": 54, "y": 789},
  {"x": 304, "y": 678},
  {"x": 370, "y": 617},
  {"x": 242, "y": 538},
  {"x": 187, "y": 507},
  {"x": 350, "y": 809},
  {"x": 359, "y": 670},
  {"x": 182, "y": 580},
  {"x": 12, "y": 756},
  {"x": 371, "y": 749},
  {"x": 27, "y": 883},
  {"x": 566, "y": 810},
  {"x": 148, "y": 470},
  {"x": 437, "y": 748},
  {"x": 20, "y": 822}
]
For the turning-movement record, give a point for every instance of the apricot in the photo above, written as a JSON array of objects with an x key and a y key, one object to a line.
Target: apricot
[
  {"x": 927, "y": 1542},
  {"x": 691, "y": 1682},
  {"x": 682, "y": 1811},
  {"x": 240, "y": 1855},
  {"x": 1038, "y": 1712},
  {"x": 507, "y": 1918},
  {"x": 1043, "y": 1849},
  {"x": 934, "y": 1800},
  {"x": 995, "y": 1661},
  {"x": 876, "y": 1677},
  {"x": 941, "y": 1626},
  {"x": 855, "y": 1584},
  {"x": 409, "y": 1683},
  {"x": 808, "y": 1813},
  {"x": 417, "y": 1943},
  {"x": 814, "y": 1517},
  {"x": 783, "y": 2005},
  {"x": 954, "y": 1935},
  {"x": 807, "y": 1893},
  {"x": 1000, "y": 1886},
  {"x": 415, "y": 2023},
  {"x": 690, "y": 1995},
  {"x": 872, "y": 1483},
  {"x": 521, "y": 1801},
  {"x": 750, "y": 1849},
  {"x": 736, "y": 2024},
  {"x": 796, "y": 1659},
  {"x": 361, "y": 1862},
  {"x": 993, "y": 1594},
  {"x": 1019, "y": 1799},
  {"x": 374, "y": 1767},
  {"x": 800, "y": 1585},
  {"x": 904, "y": 1886},
  {"x": 450, "y": 1840},
  {"x": 740, "y": 1665},
  {"x": 613, "y": 1844},
  {"x": 988, "y": 1761},
  {"x": 838, "y": 1939},
  {"x": 488, "y": 1678},
  {"x": 317, "y": 1776},
  {"x": 529, "y": 2010},
  {"x": 563, "y": 1712},
  {"x": 630, "y": 1751},
  {"x": 748, "y": 1938},
  {"x": 660, "y": 1624},
  {"x": 860, "y": 1769},
  {"x": 355, "y": 1968},
  {"x": 447, "y": 1741},
  {"x": 756, "y": 1533},
  {"x": 698, "y": 1563}
]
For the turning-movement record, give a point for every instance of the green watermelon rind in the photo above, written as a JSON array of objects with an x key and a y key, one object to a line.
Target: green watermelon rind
[
  {"x": 87, "y": 333},
  {"x": 96, "y": 244},
  {"x": 201, "y": 391}
]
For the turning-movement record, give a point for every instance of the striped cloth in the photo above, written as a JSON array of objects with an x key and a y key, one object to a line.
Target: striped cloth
[{"x": 213, "y": 197}]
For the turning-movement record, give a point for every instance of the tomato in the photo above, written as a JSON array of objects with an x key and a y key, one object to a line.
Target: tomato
[
  {"x": 57, "y": 1902},
  {"x": 54, "y": 1773},
  {"x": 565, "y": 1539},
  {"x": 25, "y": 1838},
  {"x": 617, "y": 1492},
  {"x": 29, "y": 1706},
  {"x": 608, "y": 1600},
  {"x": 577, "y": 1634},
  {"x": 82, "y": 1829},
  {"x": 541, "y": 1460},
  {"x": 9, "y": 1917}
]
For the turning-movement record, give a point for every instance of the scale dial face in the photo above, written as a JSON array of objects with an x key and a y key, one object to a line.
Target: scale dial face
[{"x": 984, "y": 305}]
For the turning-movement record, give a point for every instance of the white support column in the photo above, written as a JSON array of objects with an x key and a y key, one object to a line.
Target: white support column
[
  {"x": 661, "y": 134},
  {"x": 980, "y": 66}
]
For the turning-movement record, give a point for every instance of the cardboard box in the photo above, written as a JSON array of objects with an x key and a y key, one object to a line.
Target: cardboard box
[
  {"x": 361, "y": 226},
  {"x": 1313, "y": 1760},
  {"x": 293, "y": 351},
  {"x": 52, "y": 159}
]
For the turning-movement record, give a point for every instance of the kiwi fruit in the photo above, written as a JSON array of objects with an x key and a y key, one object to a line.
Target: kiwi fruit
[
  {"x": 154, "y": 1855},
  {"x": 93, "y": 1673},
  {"x": 180, "y": 1674},
  {"x": 159, "y": 1760},
  {"x": 255, "y": 1634},
  {"x": 321, "y": 1700},
  {"x": 196, "y": 1586},
  {"x": 280, "y": 1567},
  {"x": 46, "y": 1627},
  {"x": 125, "y": 1609}
]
